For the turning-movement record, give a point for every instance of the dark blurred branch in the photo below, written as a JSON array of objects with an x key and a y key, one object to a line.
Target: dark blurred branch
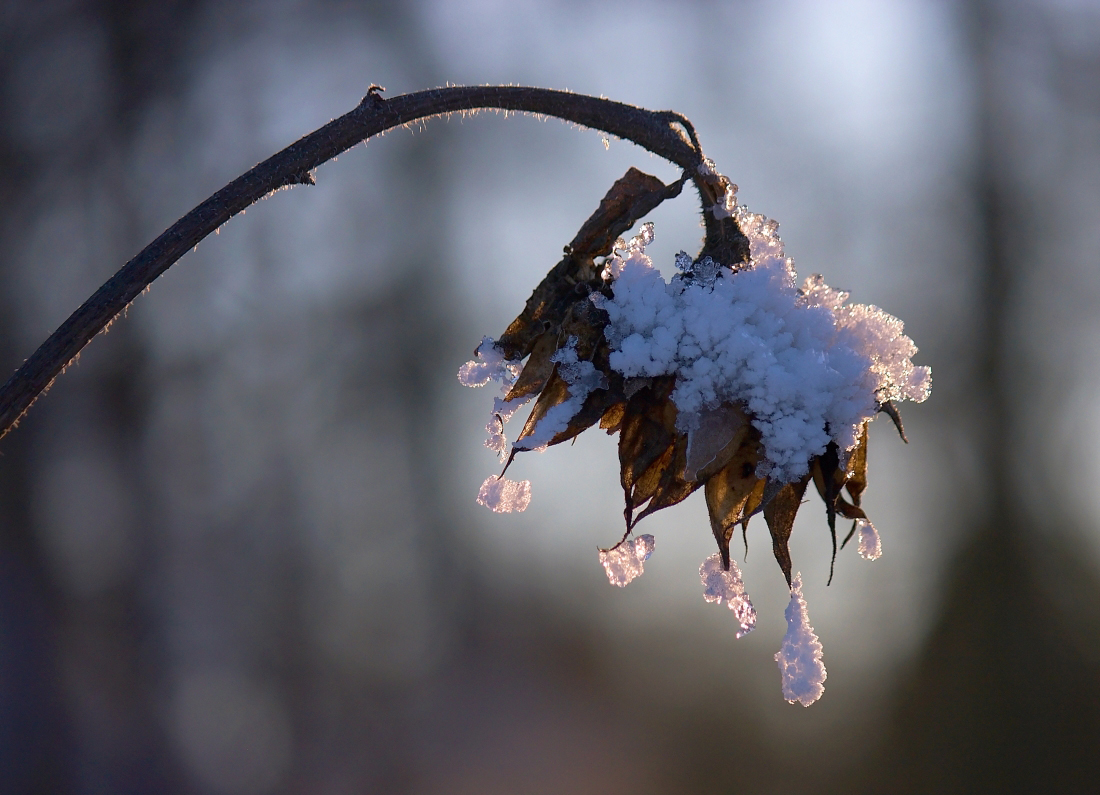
[{"x": 664, "y": 133}]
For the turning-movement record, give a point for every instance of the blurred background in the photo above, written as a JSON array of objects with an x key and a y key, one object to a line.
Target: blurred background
[{"x": 239, "y": 549}]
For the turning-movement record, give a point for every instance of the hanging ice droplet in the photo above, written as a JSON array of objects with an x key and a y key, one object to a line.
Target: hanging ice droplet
[
  {"x": 719, "y": 584},
  {"x": 800, "y": 666},
  {"x": 870, "y": 545},
  {"x": 626, "y": 561},
  {"x": 504, "y": 496}
]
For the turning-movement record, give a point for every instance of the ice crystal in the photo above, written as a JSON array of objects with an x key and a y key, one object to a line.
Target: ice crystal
[
  {"x": 799, "y": 657},
  {"x": 505, "y": 496},
  {"x": 870, "y": 545},
  {"x": 720, "y": 586},
  {"x": 490, "y": 364},
  {"x": 626, "y": 561}
]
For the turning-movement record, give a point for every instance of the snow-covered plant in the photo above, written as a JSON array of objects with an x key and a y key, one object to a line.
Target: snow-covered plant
[{"x": 731, "y": 378}]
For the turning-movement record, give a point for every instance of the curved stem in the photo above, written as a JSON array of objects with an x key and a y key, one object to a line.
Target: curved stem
[{"x": 664, "y": 133}]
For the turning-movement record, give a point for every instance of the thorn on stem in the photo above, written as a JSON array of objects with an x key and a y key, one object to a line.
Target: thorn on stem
[{"x": 374, "y": 95}]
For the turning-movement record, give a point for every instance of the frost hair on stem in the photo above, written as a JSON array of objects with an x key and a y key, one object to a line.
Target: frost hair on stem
[
  {"x": 625, "y": 562},
  {"x": 799, "y": 658}
]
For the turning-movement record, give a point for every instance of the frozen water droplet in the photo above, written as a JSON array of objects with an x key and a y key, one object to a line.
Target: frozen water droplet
[
  {"x": 504, "y": 496},
  {"x": 870, "y": 545},
  {"x": 719, "y": 585},
  {"x": 626, "y": 561},
  {"x": 799, "y": 657}
]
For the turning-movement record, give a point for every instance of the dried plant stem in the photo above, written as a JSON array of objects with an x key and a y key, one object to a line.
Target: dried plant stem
[{"x": 662, "y": 132}]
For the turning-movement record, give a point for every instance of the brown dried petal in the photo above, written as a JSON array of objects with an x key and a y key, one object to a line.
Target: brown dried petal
[
  {"x": 648, "y": 430},
  {"x": 648, "y": 482},
  {"x": 890, "y": 410},
  {"x": 595, "y": 405},
  {"x": 849, "y": 511},
  {"x": 585, "y": 321},
  {"x": 612, "y": 419},
  {"x": 779, "y": 513},
  {"x": 715, "y": 440},
  {"x": 554, "y": 393},
  {"x": 672, "y": 488},
  {"x": 728, "y": 492},
  {"x": 536, "y": 373},
  {"x": 829, "y": 480},
  {"x": 630, "y": 198},
  {"x": 857, "y": 468}
]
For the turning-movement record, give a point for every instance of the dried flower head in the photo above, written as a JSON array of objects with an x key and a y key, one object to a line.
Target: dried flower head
[{"x": 729, "y": 377}]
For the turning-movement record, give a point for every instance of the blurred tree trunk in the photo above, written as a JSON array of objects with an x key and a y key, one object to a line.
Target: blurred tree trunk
[
  {"x": 1005, "y": 696},
  {"x": 76, "y": 673}
]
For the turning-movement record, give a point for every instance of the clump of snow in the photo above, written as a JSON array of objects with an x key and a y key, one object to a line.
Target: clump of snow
[
  {"x": 798, "y": 361},
  {"x": 799, "y": 657},
  {"x": 719, "y": 585},
  {"x": 582, "y": 378},
  {"x": 627, "y": 560},
  {"x": 505, "y": 496},
  {"x": 870, "y": 545}
]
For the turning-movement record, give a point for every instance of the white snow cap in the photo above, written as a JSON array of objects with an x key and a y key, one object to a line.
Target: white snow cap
[
  {"x": 719, "y": 585},
  {"x": 505, "y": 496},
  {"x": 798, "y": 360},
  {"x": 870, "y": 545},
  {"x": 627, "y": 560},
  {"x": 799, "y": 657}
]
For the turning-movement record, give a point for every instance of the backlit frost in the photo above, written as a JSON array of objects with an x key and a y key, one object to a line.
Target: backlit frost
[
  {"x": 503, "y": 495},
  {"x": 488, "y": 365},
  {"x": 727, "y": 586},
  {"x": 799, "y": 657},
  {"x": 870, "y": 545},
  {"x": 626, "y": 561}
]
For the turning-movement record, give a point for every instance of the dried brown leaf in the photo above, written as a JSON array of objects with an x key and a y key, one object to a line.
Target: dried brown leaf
[
  {"x": 630, "y": 198},
  {"x": 890, "y": 410},
  {"x": 672, "y": 488},
  {"x": 857, "y": 468},
  {"x": 612, "y": 419},
  {"x": 554, "y": 393},
  {"x": 779, "y": 513},
  {"x": 715, "y": 440},
  {"x": 728, "y": 492},
  {"x": 538, "y": 369},
  {"x": 648, "y": 430},
  {"x": 595, "y": 405},
  {"x": 829, "y": 480}
]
